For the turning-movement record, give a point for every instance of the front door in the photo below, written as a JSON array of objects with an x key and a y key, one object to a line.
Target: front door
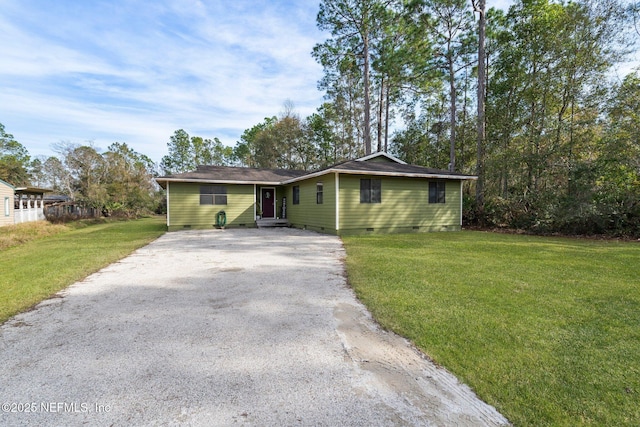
[{"x": 268, "y": 202}]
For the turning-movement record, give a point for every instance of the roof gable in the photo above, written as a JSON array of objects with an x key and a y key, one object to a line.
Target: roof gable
[
  {"x": 384, "y": 168},
  {"x": 397, "y": 169},
  {"x": 380, "y": 157},
  {"x": 7, "y": 184}
]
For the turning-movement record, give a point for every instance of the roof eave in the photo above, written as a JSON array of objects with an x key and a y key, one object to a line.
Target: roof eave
[
  {"x": 381, "y": 173},
  {"x": 215, "y": 181},
  {"x": 410, "y": 174},
  {"x": 165, "y": 180},
  {"x": 308, "y": 176},
  {"x": 37, "y": 190}
]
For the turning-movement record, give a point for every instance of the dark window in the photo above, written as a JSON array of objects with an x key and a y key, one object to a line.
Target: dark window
[
  {"x": 370, "y": 191},
  {"x": 437, "y": 192},
  {"x": 296, "y": 195},
  {"x": 213, "y": 195},
  {"x": 319, "y": 193}
]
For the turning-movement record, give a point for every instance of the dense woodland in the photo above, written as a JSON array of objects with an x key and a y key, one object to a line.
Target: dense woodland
[{"x": 531, "y": 100}]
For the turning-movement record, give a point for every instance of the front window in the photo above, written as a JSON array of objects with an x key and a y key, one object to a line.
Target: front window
[
  {"x": 7, "y": 206},
  {"x": 319, "y": 193},
  {"x": 296, "y": 195},
  {"x": 370, "y": 191},
  {"x": 437, "y": 192},
  {"x": 213, "y": 195}
]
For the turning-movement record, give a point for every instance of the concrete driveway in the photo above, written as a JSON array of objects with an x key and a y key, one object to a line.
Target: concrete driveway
[{"x": 221, "y": 327}]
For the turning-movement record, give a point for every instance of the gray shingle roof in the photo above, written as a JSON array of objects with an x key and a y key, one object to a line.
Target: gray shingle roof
[
  {"x": 234, "y": 174},
  {"x": 226, "y": 174},
  {"x": 391, "y": 167}
]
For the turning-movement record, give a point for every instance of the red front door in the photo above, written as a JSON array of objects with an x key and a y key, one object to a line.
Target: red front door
[{"x": 268, "y": 203}]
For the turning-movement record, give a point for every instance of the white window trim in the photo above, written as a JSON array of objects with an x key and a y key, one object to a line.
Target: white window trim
[{"x": 255, "y": 202}]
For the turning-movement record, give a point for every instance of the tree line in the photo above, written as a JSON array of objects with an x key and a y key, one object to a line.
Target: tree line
[
  {"x": 117, "y": 182},
  {"x": 526, "y": 99},
  {"x": 279, "y": 142}
]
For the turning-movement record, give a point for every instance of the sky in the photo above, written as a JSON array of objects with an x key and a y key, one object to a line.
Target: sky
[{"x": 135, "y": 71}]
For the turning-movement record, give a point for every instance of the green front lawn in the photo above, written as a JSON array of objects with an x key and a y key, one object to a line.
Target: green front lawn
[
  {"x": 37, "y": 269},
  {"x": 545, "y": 329}
]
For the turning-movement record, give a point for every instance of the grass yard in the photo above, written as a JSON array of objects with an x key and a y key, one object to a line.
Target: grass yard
[
  {"x": 545, "y": 329},
  {"x": 45, "y": 264},
  {"x": 14, "y": 235}
]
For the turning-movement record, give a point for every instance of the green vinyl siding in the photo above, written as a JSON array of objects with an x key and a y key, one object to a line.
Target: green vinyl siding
[
  {"x": 308, "y": 214},
  {"x": 404, "y": 207},
  {"x": 185, "y": 210},
  {"x": 401, "y": 205}
]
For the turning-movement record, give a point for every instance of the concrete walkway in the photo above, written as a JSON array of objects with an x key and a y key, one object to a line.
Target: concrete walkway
[{"x": 221, "y": 327}]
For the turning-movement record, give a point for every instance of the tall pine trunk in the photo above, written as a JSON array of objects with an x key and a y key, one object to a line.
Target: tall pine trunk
[
  {"x": 386, "y": 120},
  {"x": 452, "y": 134},
  {"x": 380, "y": 111},
  {"x": 367, "y": 106},
  {"x": 479, "y": 7}
]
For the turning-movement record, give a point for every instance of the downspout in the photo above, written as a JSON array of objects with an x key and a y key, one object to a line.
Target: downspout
[
  {"x": 168, "y": 210},
  {"x": 255, "y": 203},
  {"x": 461, "y": 203},
  {"x": 337, "y": 202}
]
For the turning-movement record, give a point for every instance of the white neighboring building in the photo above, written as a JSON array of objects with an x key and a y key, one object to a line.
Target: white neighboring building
[
  {"x": 21, "y": 204},
  {"x": 7, "y": 197}
]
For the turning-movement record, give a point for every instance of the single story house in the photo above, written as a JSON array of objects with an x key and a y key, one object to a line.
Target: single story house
[
  {"x": 373, "y": 194},
  {"x": 21, "y": 204}
]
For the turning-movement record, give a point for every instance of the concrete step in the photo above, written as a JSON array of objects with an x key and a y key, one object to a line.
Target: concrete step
[{"x": 268, "y": 222}]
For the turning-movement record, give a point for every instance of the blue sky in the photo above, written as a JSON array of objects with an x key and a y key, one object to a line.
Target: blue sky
[{"x": 135, "y": 71}]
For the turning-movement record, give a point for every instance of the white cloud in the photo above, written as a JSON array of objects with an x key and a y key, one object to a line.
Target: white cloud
[{"x": 135, "y": 72}]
